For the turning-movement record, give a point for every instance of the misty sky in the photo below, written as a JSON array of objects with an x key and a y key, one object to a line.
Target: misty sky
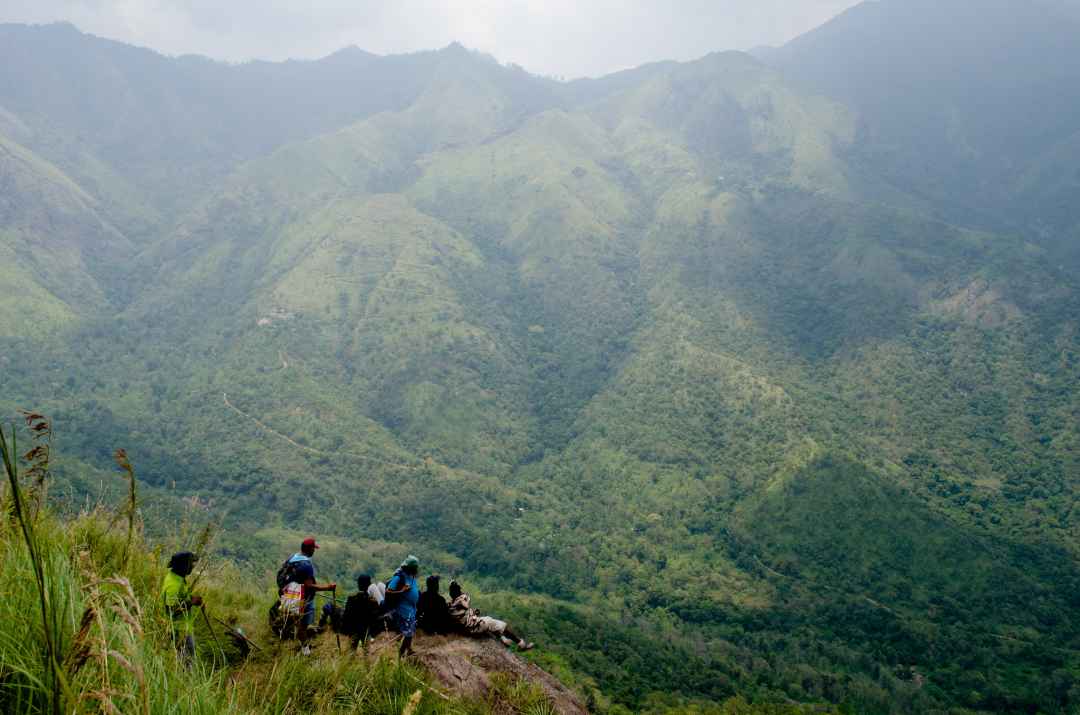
[{"x": 555, "y": 37}]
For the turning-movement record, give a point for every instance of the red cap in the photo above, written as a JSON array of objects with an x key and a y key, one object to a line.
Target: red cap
[{"x": 310, "y": 541}]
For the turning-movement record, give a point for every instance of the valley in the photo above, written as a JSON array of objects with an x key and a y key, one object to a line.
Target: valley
[{"x": 715, "y": 393}]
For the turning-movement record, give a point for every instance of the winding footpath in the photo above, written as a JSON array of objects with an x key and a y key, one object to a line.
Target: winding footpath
[{"x": 262, "y": 425}]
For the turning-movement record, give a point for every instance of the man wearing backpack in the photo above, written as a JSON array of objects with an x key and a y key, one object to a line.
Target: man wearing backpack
[{"x": 298, "y": 593}]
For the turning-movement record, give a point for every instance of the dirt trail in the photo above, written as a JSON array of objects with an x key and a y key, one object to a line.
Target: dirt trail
[{"x": 262, "y": 425}]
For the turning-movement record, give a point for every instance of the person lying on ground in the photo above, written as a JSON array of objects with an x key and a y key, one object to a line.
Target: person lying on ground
[
  {"x": 402, "y": 595},
  {"x": 469, "y": 620},
  {"x": 362, "y": 618},
  {"x": 180, "y": 603},
  {"x": 432, "y": 613}
]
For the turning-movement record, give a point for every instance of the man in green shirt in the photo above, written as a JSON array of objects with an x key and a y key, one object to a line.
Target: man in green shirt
[{"x": 180, "y": 602}]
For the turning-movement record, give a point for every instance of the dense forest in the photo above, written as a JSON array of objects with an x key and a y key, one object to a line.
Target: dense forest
[{"x": 753, "y": 375}]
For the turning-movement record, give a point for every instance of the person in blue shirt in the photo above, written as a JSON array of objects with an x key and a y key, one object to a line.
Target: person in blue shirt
[
  {"x": 303, "y": 573},
  {"x": 403, "y": 592}
]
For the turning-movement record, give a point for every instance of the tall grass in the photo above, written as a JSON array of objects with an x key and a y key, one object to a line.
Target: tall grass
[
  {"x": 345, "y": 685},
  {"x": 132, "y": 506},
  {"x": 38, "y": 460},
  {"x": 113, "y": 653},
  {"x": 82, "y": 629},
  {"x": 50, "y": 596},
  {"x": 71, "y": 638}
]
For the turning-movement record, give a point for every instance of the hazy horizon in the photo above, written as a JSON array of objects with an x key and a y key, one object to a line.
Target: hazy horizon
[{"x": 547, "y": 38}]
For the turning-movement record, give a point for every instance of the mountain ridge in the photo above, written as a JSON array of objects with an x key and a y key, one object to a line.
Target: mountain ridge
[
  {"x": 960, "y": 103},
  {"x": 590, "y": 341}
]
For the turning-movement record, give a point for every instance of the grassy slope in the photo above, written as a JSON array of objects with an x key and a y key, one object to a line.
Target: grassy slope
[{"x": 87, "y": 574}]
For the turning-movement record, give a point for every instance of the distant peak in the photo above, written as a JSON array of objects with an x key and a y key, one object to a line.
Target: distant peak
[
  {"x": 354, "y": 50},
  {"x": 729, "y": 58},
  {"x": 459, "y": 53},
  {"x": 351, "y": 52}
]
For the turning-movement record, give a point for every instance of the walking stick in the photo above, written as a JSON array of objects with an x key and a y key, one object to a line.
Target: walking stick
[
  {"x": 238, "y": 633},
  {"x": 332, "y": 625},
  {"x": 213, "y": 635}
]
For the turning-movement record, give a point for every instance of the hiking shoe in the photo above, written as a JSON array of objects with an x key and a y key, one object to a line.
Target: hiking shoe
[
  {"x": 506, "y": 641},
  {"x": 522, "y": 645}
]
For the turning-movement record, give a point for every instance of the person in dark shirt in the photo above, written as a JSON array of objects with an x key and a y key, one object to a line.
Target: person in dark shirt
[
  {"x": 331, "y": 615},
  {"x": 363, "y": 618},
  {"x": 432, "y": 613}
]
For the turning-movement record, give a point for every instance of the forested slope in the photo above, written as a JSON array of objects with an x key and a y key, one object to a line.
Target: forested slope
[
  {"x": 660, "y": 349},
  {"x": 969, "y": 107}
]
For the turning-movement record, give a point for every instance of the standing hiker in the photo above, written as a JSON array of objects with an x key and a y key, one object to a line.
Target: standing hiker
[
  {"x": 180, "y": 603},
  {"x": 298, "y": 594},
  {"x": 402, "y": 595}
]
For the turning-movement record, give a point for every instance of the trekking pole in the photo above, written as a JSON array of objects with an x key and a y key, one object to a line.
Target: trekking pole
[
  {"x": 238, "y": 633},
  {"x": 210, "y": 627},
  {"x": 332, "y": 624}
]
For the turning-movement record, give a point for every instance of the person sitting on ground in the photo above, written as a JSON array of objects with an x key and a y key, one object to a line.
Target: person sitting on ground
[
  {"x": 303, "y": 575},
  {"x": 237, "y": 636},
  {"x": 180, "y": 602},
  {"x": 471, "y": 622},
  {"x": 402, "y": 595},
  {"x": 362, "y": 618},
  {"x": 432, "y": 614},
  {"x": 331, "y": 613}
]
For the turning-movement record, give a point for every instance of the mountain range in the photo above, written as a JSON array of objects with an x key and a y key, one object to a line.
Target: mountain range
[{"x": 755, "y": 374}]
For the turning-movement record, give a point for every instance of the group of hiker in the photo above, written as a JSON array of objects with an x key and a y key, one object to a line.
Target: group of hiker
[{"x": 397, "y": 605}]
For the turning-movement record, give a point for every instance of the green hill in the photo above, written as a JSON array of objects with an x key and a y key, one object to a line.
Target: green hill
[
  {"x": 717, "y": 406},
  {"x": 57, "y": 247}
]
